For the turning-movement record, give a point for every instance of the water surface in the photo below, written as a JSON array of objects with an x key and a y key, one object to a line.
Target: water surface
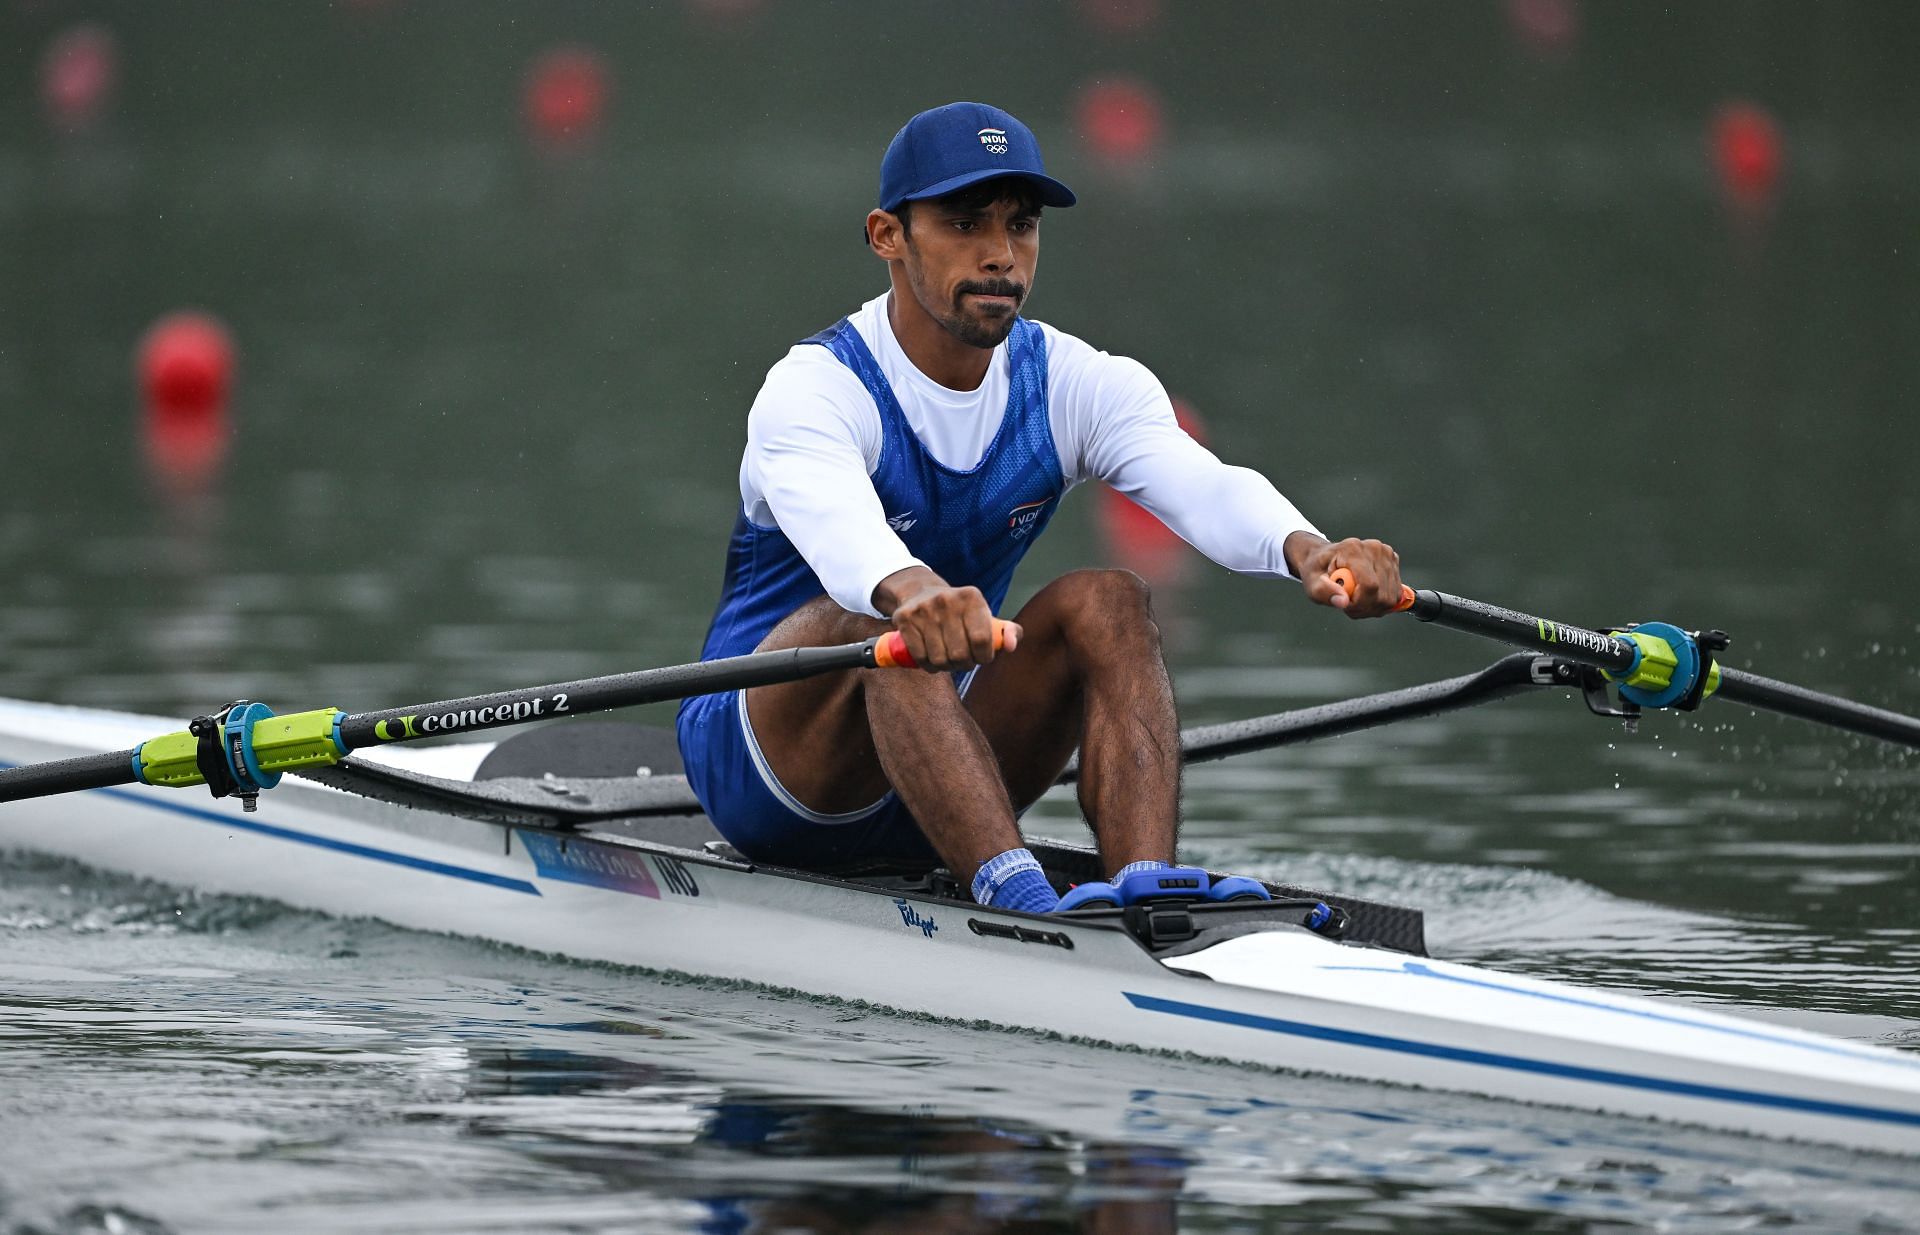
[{"x": 1487, "y": 305}]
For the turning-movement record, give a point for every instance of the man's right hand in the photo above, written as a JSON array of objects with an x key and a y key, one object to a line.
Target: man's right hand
[{"x": 947, "y": 628}]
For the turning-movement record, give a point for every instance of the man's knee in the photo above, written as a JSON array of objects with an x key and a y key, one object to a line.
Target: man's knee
[
  {"x": 1112, "y": 587},
  {"x": 1114, "y": 593},
  {"x": 1104, "y": 604}
]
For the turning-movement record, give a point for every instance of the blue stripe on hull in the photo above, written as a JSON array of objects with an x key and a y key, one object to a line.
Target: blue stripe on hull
[
  {"x": 1420, "y": 969},
  {"x": 1520, "y": 1063},
  {"x": 468, "y": 873}
]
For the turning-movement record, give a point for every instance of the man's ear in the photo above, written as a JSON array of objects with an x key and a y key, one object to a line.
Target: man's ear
[{"x": 885, "y": 234}]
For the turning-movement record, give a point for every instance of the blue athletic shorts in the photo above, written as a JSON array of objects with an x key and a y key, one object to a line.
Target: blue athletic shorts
[{"x": 762, "y": 820}]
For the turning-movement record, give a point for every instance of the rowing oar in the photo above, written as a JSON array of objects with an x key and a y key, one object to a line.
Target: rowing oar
[
  {"x": 1653, "y": 664},
  {"x": 246, "y": 748}
]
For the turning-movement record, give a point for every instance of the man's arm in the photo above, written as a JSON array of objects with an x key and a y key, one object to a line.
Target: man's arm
[
  {"x": 806, "y": 469},
  {"x": 1232, "y": 514}
]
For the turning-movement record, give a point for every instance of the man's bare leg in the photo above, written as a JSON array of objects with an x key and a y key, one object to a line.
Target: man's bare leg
[
  {"x": 839, "y": 742},
  {"x": 1090, "y": 674}
]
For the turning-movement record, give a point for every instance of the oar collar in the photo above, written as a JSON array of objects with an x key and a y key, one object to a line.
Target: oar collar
[
  {"x": 235, "y": 752},
  {"x": 1672, "y": 668}
]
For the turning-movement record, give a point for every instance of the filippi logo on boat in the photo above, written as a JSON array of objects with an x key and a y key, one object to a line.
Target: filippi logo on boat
[{"x": 912, "y": 917}]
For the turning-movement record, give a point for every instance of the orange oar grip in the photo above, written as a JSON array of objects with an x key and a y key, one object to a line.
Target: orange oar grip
[
  {"x": 1343, "y": 579},
  {"x": 891, "y": 651}
]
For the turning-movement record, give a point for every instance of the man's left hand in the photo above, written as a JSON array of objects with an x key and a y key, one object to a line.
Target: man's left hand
[{"x": 1373, "y": 563}]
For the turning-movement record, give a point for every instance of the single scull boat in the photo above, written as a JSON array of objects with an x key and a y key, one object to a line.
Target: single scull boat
[{"x": 581, "y": 841}]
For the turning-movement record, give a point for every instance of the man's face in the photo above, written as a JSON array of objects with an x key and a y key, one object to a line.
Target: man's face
[{"x": 971, "y": 266}]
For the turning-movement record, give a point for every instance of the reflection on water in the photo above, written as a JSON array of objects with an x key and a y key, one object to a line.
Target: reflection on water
[{"x": 767, "y": 1163}]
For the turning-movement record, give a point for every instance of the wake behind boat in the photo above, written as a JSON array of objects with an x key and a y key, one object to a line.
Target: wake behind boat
[{"x": 579, "y": 840}]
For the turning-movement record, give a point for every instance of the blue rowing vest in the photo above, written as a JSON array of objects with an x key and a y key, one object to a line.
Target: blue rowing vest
[{"x": 970, "y": 527}]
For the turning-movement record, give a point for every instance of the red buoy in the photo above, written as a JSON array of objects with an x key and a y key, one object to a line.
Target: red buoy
[
  {"x": 185, "y": 366},
  {"x": 1748, "y": 153},
  {"x": 1120, "y": 119},
  {"x": 78, "y": 74},
  {"x": 566, "y": 95},
  {"x": 184, "y": 369}
]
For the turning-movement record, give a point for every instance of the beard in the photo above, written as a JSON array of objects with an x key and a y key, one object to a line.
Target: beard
[
  {"x": 984, "y": 332},
  {"x": 972, "y": 324}
]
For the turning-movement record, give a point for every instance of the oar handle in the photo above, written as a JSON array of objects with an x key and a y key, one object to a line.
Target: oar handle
[
  {"x": 890, "y": 649},
  {"x": 1343, "y": 579}
]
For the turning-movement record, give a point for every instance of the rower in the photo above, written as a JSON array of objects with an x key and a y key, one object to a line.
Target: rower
[{"x": 898, "y": 465}]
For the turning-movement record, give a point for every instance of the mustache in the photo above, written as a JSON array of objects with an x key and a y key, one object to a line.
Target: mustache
[{"x": 993, "y": 287}]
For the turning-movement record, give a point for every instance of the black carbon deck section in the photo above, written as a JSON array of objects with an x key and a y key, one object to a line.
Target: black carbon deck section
[
  {"x": 526, "y": 787},
  {"x": 587, "y": 748},
  {"x": 545, "y": 802}
]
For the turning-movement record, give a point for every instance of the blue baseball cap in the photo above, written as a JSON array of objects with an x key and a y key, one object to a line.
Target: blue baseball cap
[{"x": 960, "y": 144}]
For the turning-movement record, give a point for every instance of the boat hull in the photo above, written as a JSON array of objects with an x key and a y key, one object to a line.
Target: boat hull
[{"x": 1279, "y": 998}]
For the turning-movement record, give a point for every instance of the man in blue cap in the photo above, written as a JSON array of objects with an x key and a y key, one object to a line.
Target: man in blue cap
[{"x": 898, "y": 466}]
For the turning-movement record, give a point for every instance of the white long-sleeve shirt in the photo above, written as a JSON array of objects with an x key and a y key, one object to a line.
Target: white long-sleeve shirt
[{"x": 814, "y": 439}]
